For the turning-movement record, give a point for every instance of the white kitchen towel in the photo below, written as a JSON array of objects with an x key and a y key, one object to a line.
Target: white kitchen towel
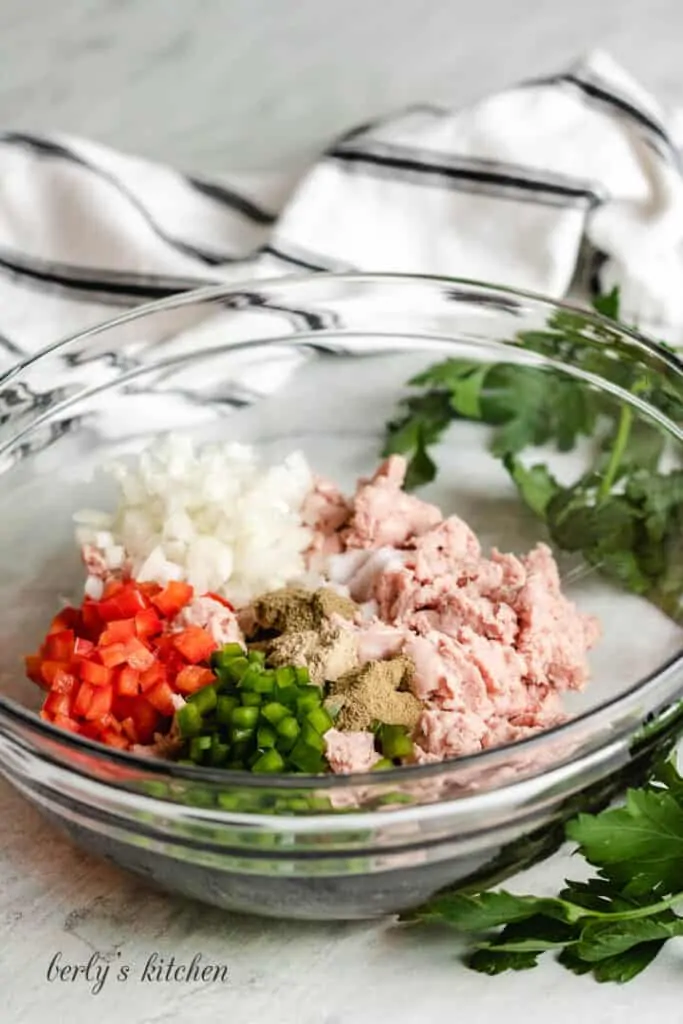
[{"x": 513, "y": 190}]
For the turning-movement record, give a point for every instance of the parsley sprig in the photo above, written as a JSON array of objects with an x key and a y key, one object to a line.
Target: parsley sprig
[
  {"x": 625, "y": 513},
  {"x": 611, "y": 926}
]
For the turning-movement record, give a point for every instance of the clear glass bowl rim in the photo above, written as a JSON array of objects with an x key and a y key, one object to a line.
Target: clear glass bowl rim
[{"x": 13, "y": 713}]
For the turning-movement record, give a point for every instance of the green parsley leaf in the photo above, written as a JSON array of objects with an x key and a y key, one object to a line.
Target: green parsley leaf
[
  {"x": 446, "y": 374},
  {"x": 611, "y": 926},
  {"x": 658, "y": 498},
  {"x": 536, "y": 484},
  {"x": 421, "y": 467},
  {"x": 486, "y": 910},
  {"x": 466, "y": 394},
  {"x": 620, "y": 968},
  {"x": 608, "y": 304},
  {"x": 601, "y": 940},
  {"x": 537, "y": 934},
  {"x": 570, "y": 960},
  {"x": 625, "y": 966},
  {"x": 421, "y": 421},
  {"x": 598, "y": 895},
  {"x": 639, "y": 847},
  {"x": 491, "y": 961},
  {"x": 665, "y": 775},
  {"x": 533, "y": 406}
]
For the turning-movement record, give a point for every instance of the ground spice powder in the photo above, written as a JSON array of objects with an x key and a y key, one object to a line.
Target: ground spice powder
[{"x": 372, "y": 693}]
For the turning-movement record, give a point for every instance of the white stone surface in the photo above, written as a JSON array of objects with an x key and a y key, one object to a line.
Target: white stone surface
[
  {"x": 238, "y": 84},
  {"x": 55, "y": 898},
  {"x": 217, "y": 84}
]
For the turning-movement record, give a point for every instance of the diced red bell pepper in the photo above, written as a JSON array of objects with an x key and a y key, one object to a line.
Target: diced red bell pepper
[
  {"x": 108, "y": 721},
  {"x": 83, "y": 647},
  {"x": 100, "y": 703},
  {"x": 195, "y": 644},
  {"x": 90, "y": 729},
  {"x": 130, "y": 730},
  {"x": 108, "y": 610},
  {"x": 174, "y": 663},
  {"x": 146, "y": 718},
  {"x": 128, "y": 682},
  {"x": 192, "y": 678},
  {"x": 68, "y": 618},
  {"x": 92, "y": 621},
  {"x": 156, "y": 673},
  {"x": 113, "y": 655},
  {"x": 59, "y": 646},
  {"x": 58, "y": 704},
  {"x": 114, "y": 674},
  {"x": 119, "y": 631},
  {"x": 112, "y": 587},
  {"x": 65, "y": 722},
  {"x": 139, "y": 655},
  {"x": 173, "y": 598},
  {"x": 64, "y": 682},
  {"x": 148, "y": 623},
  {"x": 125, "y": 604},
  {"x": 94, "y": 673},
  {"x": 51, "y": 669},
  {"x": 114, "y": 739},
  {"x": 133, "y": 652},
  {"x": 161, "y": 698},
  {"x": 34, "y": 664},
  {"x": 83, "y": 699},
  {"x": 169, "y": 655}
]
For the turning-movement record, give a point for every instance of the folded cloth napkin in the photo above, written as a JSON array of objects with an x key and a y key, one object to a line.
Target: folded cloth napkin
[{"x": 535, "y": 187}]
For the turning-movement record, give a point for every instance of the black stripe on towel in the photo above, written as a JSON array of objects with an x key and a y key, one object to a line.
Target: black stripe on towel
[
  {"x": 295, "y": 256},
  {"x": 226, "y": 196},
  {"x": 596, "y": 92},
  {"x": 106, "y": 286},
  {"x": 478, "y": 164},
  {"x": 500, "y": 183},
  {"x": 481, "y": 164},
  {"x": 294, "y": 261},
  {"x": 49, "y": 148}
]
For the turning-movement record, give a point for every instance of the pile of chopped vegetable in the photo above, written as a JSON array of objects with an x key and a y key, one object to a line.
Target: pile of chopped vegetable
[
  {"x": 262, "y": 719},
  {"x": 201, "y": 515},
  {"x": 114, "y": 671},
  {"x": 384, "y": 635},
  {"x": 118, "y": 670}
]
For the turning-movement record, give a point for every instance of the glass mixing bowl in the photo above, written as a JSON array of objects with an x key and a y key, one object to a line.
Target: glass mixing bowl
[{"x": 318, "y": 363}]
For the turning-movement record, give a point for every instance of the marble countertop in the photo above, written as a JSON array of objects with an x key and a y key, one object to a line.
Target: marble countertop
[
  {"x": 235, "y": 84},
  {"x": 257, "y": 84}
]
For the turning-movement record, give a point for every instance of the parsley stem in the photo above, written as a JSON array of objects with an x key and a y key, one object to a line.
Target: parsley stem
[
  {"x": 620, "y": 442},
  {"x": 647, "y": 911}
]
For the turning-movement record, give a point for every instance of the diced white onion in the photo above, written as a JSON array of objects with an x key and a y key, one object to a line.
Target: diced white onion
[
  {"x": 94, "y": 587},
  {"x": 215, "y": 517}
]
